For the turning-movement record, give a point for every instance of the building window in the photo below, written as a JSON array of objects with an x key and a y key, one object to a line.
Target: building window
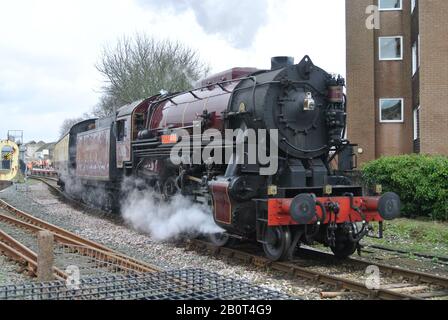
[
  {"x": 415, "y": 58},
  {"x": 419, "y": 50},
  {"x": 413, "y": 5},
  {"x": 391, "y": 48},
  {"x": 417, "y": 124},
  {"x": 388, "y": 5},
  {"x": 391, "y": 110}
]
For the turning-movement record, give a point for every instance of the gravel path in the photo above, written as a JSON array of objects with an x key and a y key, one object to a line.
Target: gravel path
[{"x": 39, "y": 201}]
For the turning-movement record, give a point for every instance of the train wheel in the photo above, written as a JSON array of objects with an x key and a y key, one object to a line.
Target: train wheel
[
  {"x": 277, "y": 242},
  {"x": 344, "y": 249},
  {"x": 170, "y": 188},
  {"x": 220, "y": 239},
  {"x": 109, "y": 202}
]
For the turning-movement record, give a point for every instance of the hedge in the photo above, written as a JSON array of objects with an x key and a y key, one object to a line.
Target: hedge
[{"x": 421, "y": 182}]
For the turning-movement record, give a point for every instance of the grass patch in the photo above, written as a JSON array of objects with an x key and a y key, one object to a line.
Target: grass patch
[{"x": 415, "y": 235}]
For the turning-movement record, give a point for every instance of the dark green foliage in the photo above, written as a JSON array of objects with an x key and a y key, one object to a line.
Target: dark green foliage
[{"x": 420, "y": 181}]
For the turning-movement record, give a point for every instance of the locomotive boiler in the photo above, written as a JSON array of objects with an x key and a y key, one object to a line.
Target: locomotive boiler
[{"x": 264, "y": 149}]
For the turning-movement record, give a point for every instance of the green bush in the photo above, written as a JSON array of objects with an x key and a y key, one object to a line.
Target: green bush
[{"x": 420, "y": 181}]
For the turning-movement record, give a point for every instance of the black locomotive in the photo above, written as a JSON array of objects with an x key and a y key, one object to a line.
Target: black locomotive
[{"x": 266, "y": 149}]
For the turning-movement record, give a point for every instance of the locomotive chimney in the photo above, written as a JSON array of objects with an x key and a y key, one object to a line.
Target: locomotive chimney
[{"x": 281, "y": 62}]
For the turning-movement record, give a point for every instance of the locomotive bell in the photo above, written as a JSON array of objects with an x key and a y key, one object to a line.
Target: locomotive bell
[{"x": 309, "y": 104}]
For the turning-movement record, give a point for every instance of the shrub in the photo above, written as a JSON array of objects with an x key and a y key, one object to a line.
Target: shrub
[{"x": 420, "y": 181}]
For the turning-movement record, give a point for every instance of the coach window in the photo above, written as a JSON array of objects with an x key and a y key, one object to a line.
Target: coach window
[
  {"x": 121, "y": 130},
  {"x": 391, "y": 48},
  {"x": 391, "y": 110},
  {"x": 388, "y": 5},
  {"x": 6, "y": 155}
]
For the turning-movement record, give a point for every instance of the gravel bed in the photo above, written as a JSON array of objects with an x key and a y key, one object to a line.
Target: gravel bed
[
  {"x": 9, "y": 272},
  {"x": 39, "y": 201}
]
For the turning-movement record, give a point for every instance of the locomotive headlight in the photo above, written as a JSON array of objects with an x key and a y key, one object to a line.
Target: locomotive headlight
[{"x": 309, "y": 104}]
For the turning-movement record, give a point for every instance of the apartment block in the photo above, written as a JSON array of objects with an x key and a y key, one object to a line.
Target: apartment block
[{"x": 397, "y": 77}]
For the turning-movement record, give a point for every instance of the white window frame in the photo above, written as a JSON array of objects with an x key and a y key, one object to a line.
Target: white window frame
[
  {"x": 415, "y": 58},
  {"x": 381, "y": 111},
  {"x": 416, "y": 123},
  {"x": 419, "y": 45},
  {"x": 390, "y": 9},
  {"x": 413, "y": 5},
  {"x": 390, "y": 59}
]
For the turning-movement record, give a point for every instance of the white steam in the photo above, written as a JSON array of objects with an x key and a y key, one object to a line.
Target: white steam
[{"x": 167, "y": 220}]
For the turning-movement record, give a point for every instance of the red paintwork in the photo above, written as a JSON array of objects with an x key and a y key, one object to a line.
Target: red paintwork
[
  {"x": 221, "y": 202},
  {"x": 232, "y": 74},
  {"x": 185, "y": 108},
  {"x": 278, "y": 210}
]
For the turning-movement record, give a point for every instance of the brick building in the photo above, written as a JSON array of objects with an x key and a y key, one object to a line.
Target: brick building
[{"x": 397, "y": 76}]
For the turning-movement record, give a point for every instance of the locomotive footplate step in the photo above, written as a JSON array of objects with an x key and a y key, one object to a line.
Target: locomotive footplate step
[{"x": 188, "y": 284}]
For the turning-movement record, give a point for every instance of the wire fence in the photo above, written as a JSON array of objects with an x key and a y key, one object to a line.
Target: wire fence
[{"x": 188, "y": 284}]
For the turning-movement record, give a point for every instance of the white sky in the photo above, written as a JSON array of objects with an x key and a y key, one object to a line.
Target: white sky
[{"x": 48, "y": 48}]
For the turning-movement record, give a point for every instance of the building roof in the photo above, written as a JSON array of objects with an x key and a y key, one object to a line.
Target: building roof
[{"x": 47, "y": 146}]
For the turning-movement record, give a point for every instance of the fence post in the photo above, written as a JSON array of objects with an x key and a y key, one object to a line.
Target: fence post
[{"x": 45, "y": 256}]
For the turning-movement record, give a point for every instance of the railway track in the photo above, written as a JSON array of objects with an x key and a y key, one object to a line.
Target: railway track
[
  {"x": 413, "y": 286},
  {"x": 402, "y": 284},
  {"x": 67, "y": 242},
  {"x": 52, "y": 183}
]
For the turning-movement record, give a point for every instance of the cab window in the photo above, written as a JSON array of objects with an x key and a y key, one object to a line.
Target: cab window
[
  {"x": 6, "y": 158},
  {"x": 121, "y": 130}
]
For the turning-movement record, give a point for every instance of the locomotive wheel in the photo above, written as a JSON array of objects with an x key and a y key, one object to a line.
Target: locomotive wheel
[
  {"x": 109, "y": 203},
  {"x": 277, "y": 242},
  {"x": 221, "y": 239},
  {"x": 344, "y": 249},
  {"x": 170, "y": 188}
]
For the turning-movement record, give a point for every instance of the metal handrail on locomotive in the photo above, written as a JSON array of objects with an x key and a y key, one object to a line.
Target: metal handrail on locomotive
[{"x": 309, "y": 198}]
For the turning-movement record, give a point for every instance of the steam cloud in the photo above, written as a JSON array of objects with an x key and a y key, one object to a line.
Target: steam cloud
[
  {"x": 237, "y": 21},
  {"x": 166, "y": 220}
]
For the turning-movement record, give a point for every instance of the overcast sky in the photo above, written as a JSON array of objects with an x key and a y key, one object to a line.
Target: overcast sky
[{"x": 48, "y": 48}]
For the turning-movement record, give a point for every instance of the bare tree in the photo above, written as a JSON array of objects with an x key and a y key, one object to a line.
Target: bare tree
[
  {"x": 139, "y": 67},
  {"x": 105, "y": 107},
  {"x": 69, "y": 123}
]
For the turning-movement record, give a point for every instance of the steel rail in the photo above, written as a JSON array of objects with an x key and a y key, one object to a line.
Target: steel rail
[
  {"x": 85, "y": 246},
  {"x": 298, "y": 271},
  {"x": 22, "y": 254},
  {"x": 123, "y": 262},
  {"x": 407, "y": 252},
  {"x": 384, "y": 268},
  {"x": 340, "y": 283}
]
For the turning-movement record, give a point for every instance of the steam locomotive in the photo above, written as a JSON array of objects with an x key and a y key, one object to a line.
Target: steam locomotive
[{"x": 212, "y": 144}]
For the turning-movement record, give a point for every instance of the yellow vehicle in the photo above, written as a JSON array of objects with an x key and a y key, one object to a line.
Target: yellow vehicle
[{"x": 9, "y": 160}]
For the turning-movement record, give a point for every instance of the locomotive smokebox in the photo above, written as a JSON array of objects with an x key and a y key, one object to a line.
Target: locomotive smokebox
[{"x": 281, "y": 62}]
